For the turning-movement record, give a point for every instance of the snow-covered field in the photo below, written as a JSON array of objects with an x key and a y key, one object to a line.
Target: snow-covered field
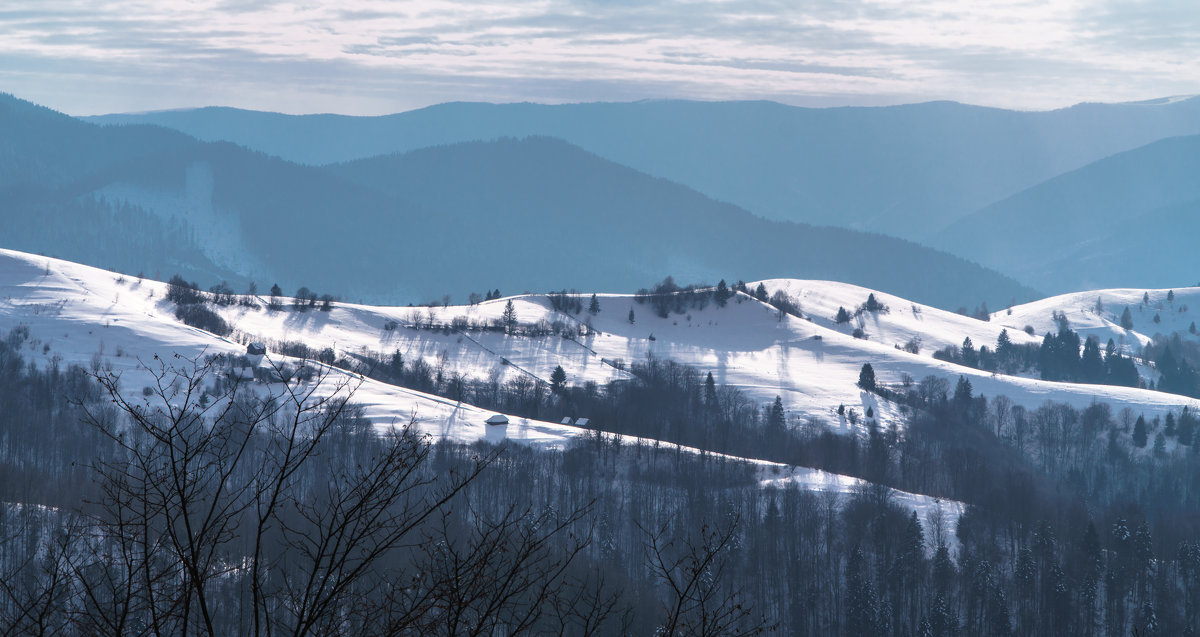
[{"x": 78, "y": 314}]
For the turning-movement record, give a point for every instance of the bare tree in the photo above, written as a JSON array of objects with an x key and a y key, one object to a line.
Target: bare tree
[
  {"x": 692, "y": 569},
  {"x": 228, "y": 507}
]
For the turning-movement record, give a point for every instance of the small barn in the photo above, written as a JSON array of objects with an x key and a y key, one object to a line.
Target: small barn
[
  {"x": 498, "y": 419},
  {"x": 256, "y": 349}
]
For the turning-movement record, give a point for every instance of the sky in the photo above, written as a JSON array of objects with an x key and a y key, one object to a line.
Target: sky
[{"x": 368, "y": 57}]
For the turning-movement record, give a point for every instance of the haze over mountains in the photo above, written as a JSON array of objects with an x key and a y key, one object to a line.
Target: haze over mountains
[
  {"x": 907, "y": 171},
  {"x": 412, "y": 227},
  {"x": 615, "y": 196},
  {"x": 966, "y": 179},
  {"x": 1127, "y": 221}
]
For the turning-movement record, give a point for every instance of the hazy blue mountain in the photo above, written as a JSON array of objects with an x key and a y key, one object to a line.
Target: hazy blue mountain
[
  {"x": 902, "y": 170},
  {"x": 543, "y": 206},
  {"x": 533, "y": 214},
  {"x": 47, "y": 148},
  {"x": 1130, "y": 220}
]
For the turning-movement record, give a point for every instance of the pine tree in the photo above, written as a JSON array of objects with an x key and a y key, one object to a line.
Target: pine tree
[
  {"x": 970, "y": 357},
  {"x": 509, "y": 317},
  {"x": 776, "y": 419},
  {"x": 631, "y": 317},
  {"x": 1186, "y": 429},
  {"x": 1004, "y": 345},
  {"x": 1139, "y": 433},
  {"x": 722, "y": 294},
  {"x": 1126, "y": 319},
  {"x": 866, "y": 377},
  {"x": 594, "y": 306},
  {"x": 710, "y": 392},
  {"x": 1091, "y": 366},
  {"x": 842, "y": 316},
  {"x": 963, "y": 393},
  {"x": 873, "y": 305},
  {"x": 760, "y": 292},
  {"x": 558, "y": 379}
]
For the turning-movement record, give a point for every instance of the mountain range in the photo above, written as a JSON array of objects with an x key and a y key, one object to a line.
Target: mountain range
[
  {"x": 532, "y": 213},
  {"x": 908, "y": 170}
]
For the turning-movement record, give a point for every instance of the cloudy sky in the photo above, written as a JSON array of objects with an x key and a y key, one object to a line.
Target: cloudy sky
[{"x": 371, "y": 57}]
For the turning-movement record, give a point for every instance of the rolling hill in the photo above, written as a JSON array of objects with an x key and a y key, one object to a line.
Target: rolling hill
[
  {"x": 416, "y": 226},
  {"x": 906, "y": 170},
  {"x": 1123, "y": 221}
]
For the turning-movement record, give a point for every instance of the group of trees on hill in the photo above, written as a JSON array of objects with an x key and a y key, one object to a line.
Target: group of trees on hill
[
  {"x": 1068, "y": 529},
  {"x": 1060, "y": 357}
]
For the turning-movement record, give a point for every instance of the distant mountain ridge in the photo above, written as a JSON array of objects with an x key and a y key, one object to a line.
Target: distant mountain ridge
[
  {"x": 907, "y": 171},
  {"x": 508, "y": 214},
  {"x": 1125, "y": 221}
]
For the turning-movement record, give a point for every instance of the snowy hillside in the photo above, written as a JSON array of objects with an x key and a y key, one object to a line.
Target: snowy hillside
[
  {"x": 81, "y": 315},
  {"x": 812, "y": 364},
  {"x": 1098, "y": 313}
]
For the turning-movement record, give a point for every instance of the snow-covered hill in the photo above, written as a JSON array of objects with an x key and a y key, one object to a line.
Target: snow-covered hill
[
  {"x": 78, "y": 314},
  {"x": 1098, "y": 313},
  {"x": 812, "y": 364}
]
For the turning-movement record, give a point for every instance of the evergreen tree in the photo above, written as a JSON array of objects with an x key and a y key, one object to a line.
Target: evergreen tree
[
  {"x": 396, "y": 365},
  {"x": 631, "y": 317},
  {"x": 710, "y": 392},
  {"x": 594, "y": 306},
  {"x": 943, "y": 569},
  {"x": 1091, "y": 366},
  {"x": 970, "y": 357},
  {"x": 963, "y": 394},
  {"x": 1004, "y": 345},
  {"x": 760, "y": 292},
  {"x": 873, "y": 305},
  {"x": 509, "y": 317},
  {"x": 1139, "y": 433},
  {"x": 842, "y": 316},
  {"x": 776, "y": 419},
  {"x": 1126, "y": 319},
  {"x": 1186, "y": 429},
  {"x": 558, "y": 379},
  {"x": 721, "y": 296},
  {"x": 866, "y": 377}
]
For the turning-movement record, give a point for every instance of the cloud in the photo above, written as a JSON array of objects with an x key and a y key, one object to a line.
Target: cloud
[{"x": 372, "y": 56}]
